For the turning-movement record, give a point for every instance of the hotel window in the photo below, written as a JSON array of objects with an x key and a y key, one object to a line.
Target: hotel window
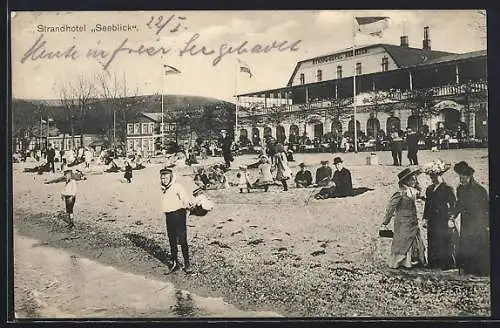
[
  {"x": 302, "y": 78},
  {"x": 137, "y": 144},
  {"x": 151, "y": 128},
  {"x": 151, "y": 145},
  {"x": 137, "y": 128},
  {"x": 358, "y": 69},
  {"x": 130, "y": 128},
  {"x": 319, "y": 75},
  {"x": 130, "y": 144},
  {"x": 339, "y": 72},
  {"x": 144, "y": 128},
  {"x": 385, "y": 64}
]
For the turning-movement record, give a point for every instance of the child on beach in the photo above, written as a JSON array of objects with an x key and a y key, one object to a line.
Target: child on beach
[
  {"x": 174, "y": 203},
  {"x": 68, "y": 194},
  {"x": 243, "y": 179},
  {"x": 128, "y": 172}
]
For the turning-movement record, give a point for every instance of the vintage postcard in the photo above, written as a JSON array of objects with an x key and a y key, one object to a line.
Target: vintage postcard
[{"x": 250, "y": 164}]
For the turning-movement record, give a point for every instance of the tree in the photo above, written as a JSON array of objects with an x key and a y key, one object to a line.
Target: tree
[
  {"x": 116, "y": 94},
  {"x": 421, "y": 103},
  {"x": 83, "y": 90},
  {"x": 473, "y": 92},
  {"x": 380, "y": 102}
]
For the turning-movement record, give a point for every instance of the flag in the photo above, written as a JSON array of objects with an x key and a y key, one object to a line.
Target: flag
[
  {"x": 170, "y": 70},
  {"x": 372, "y": 26},
  {"x": 244, "y": 67}
]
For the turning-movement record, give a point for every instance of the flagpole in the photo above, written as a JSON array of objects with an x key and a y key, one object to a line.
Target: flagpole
[
  {"x": 237, "y": 99},
  {"x": 162, "y": 127},
  {"x": 354, "y": 84}
]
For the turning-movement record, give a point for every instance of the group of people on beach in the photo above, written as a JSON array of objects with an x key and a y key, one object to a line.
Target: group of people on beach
[{"x": 447, "y": 247}]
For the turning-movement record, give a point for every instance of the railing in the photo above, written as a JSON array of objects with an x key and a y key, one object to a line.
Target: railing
[{"x": 395, "y": 95}]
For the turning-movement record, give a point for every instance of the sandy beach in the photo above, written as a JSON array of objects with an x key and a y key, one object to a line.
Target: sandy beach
[{"x": 274, "y": 251}]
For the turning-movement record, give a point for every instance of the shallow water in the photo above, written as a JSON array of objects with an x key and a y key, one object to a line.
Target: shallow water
[{"x": 51, "y": 283}]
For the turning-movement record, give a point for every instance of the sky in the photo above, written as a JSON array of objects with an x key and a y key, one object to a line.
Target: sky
[{"x": 314, "y": 33}]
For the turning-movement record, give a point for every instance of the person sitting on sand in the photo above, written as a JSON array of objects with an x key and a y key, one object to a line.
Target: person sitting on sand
[
  {"x": 174, "y": 203},
  {"x": 289, "y": 155},
  {"x": 341, "y": 182},
  {"x": 201, "y": 179},
  {"x": 323, "y": 174},
  {"x": 265, "y": 178},
  {"x": 68, "y": 194},
  {"x": 113, "y": 167},
  {"x": 77, "y": 176},
  {"x": 243, "y": 179},
  {"x": 303, "y": 178}
]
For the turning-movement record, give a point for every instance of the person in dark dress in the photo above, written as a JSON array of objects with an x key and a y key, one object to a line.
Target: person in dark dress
[
  {"x": 396, "y": 148},
  {"x": 303, "y": 178},
  {"x": 226, "y": 148},
  {"x": 323, "y": 174},
  {"x": 51, "y": 155},
  {"x": 412, "y": 143},
  {"x": 439, "y": 206},
  {"x": 473, "y": 207}
]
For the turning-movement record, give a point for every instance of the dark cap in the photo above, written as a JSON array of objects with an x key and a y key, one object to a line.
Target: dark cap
[
  {"x": 463, "y": 168},
  {"x": 165, "y": 170},
  {"x": 302, "y": 165},
  {"x": 337, "y": 160},
  {"x": 324, "y": 162}
]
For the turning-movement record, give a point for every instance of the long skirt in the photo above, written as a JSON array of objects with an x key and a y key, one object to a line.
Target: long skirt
[{"x": 416, "y": 253}]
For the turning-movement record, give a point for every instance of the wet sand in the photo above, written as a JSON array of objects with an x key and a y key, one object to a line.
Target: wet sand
[{"x": 273, "y": 251}]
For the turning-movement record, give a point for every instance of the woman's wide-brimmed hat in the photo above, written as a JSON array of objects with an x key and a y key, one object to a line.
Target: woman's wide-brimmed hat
[
  {"x": 406, "y": 173},
  {"x": 463, "y": 168},
  {"x": 263, "y": 157},
  {"x": 337, "y": 160},
  {"x": 436, "y": 167}
]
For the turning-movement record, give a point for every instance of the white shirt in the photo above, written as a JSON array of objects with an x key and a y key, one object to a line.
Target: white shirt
[
  {"x": 69, "y": 188},
  {"x": 174, "y": 198}
]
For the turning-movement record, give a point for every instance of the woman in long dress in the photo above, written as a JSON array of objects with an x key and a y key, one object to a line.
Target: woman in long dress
[
  {"x": 407, "y": 247},
  {"x": 473, "y": 207},
  {"x": 439, "y": 207},
  {"x": 283, "y": 172}
]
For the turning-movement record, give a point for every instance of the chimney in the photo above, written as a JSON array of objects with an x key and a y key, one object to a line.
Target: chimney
[
  {"x": 426, "y": 44},
  {"x": 404, "y": 41}
]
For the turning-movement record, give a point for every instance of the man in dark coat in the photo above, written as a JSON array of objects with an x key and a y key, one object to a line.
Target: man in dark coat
[
  {"x": 396, "y": 148},
  {"x": 226, "y": 148},
  {"x": 342, "y": 179},
  {"x": 342, "y": 182},
  {"x": 303, "y": 178},
  {"x": 51, "y": 155},
  {"x": 412, "y": 143},
  {"x": 473, "y": 207},
  {"x": 323, "y": 174}
]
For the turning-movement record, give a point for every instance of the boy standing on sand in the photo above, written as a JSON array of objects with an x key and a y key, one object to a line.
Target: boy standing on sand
[
  {"x": 68, "y": 194},
  {"x": 174, "y": 203}
]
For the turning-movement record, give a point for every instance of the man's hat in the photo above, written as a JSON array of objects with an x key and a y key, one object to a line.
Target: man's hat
[
  {"x": 337, "y": 160},
  {"x": 406, "y": 173},
  {"x": 463, "y": 168},
  {"x": 165, "y": 170},
  {"x": 324, "y": 162},
  {"x": 302, "y": 165}
]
